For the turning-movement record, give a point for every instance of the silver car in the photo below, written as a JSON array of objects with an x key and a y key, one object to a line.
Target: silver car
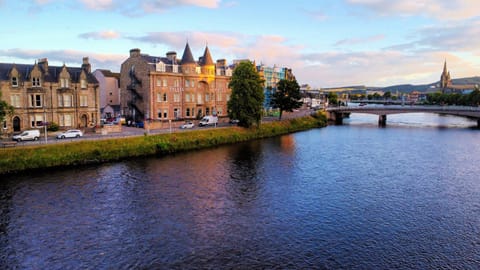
[{"x": 71, "y": 133}]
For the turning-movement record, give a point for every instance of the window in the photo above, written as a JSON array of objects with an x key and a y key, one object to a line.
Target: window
[
  {"x": 36, "y": 120},
  {"x": 219, "y": 97},
  {"x": 198, "y": 70},
  {"x": 36, "y": 82},
  {"x": 165, "y": 84},
  {"x": 84, "y": 101},
  {"x": 207, "y": 97},
  {"x": 176, "y": 97},
  {"x": 83, "y": 83},
  {"x": 4, "y": 124},
  {"x": 159, "y": 113},
  {"x": 35, "y": 100},
  {"x": 14, "y": 82},
  {"x": 159, "y": 97},
  {"x": 176, "y": 83},
  {"x": 187, "y": 83},
  {"x": 165, "y": 114},
  {"x": 187, "y": 97},
  {"x": 65, "y": 120},
  {"x": 160, "y": 67},
  {"x": 15, "y": 101},
  {"x": 67, "y": 101},
  {"x": 192, "y": 83},
  {"x": 207, "y": 111},
  {"x": 228, "y": 97},
  {"x": 176, "y": 113},
  {"x": 159, "y": 82},
  {"x": 175, "y": 68},
  {"x": 187, "y": 113},
  {"x": 165, "y": 97},
  {"x": 199, "y": 99},
  {"x": 64, "y": 82}
]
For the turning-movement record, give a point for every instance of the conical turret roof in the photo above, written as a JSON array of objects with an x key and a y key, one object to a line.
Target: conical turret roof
[
  {"x": 187, "y": 57},
  {"x": 207, "y": 58}
]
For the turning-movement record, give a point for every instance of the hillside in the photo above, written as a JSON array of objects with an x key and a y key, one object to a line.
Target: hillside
[{"x": 407, "y": 88}]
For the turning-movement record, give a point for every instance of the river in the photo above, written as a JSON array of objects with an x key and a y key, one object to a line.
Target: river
[{"x": 355, "y": 196}]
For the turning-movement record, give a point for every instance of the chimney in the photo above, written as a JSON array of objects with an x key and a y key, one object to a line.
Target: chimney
[
  {"x": 135, "y": 52},
  {"x": 86, "y": 65},
  {"x": 172, "y": 56},
  {"x": 43, "y": 63},
  {"x": 221, "y": 63}
]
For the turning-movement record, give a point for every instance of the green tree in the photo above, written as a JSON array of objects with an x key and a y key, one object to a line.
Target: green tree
[
  {"x": 246, "y": 100},
  {"x": 332, "y": 98},
  {"x": 5, "y": 109},
  {"x": 387, "y": 95},
  {"x": 287, "y": 97}
]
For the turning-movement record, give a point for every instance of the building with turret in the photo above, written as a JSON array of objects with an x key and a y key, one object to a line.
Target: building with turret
[
  {"x": 159, "y": 89},
  {"x": 42, "y": 94}
]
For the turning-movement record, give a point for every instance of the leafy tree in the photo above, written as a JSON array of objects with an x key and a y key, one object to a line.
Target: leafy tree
[
  {"x": 246, "y": 100},
  {"x": 5, "y": 109},
  {"x": 387, "y": 95},
  {"x": 332, "y": 98},
  {"x": 287, "y": 97}
]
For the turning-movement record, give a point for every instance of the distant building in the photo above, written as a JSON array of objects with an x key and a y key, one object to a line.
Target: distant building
[
  {"x": 167, "y": 88},
  {"x": 43, "y": 94},
  {"x": 271, "y": 76},
  {"x": 446, "y": 85},
  {"x": 109, "y": 89}
]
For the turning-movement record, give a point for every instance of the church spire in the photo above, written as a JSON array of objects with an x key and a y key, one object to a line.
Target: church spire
[{"x": 187, "y": 57}]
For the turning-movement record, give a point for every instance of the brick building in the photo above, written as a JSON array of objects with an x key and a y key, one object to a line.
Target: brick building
[
  {"x": 41, "y": 93},
  {"x": 167, "y": 88}
]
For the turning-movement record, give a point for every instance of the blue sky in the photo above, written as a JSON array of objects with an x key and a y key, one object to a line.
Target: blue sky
[{"x": 327, "y": 43}]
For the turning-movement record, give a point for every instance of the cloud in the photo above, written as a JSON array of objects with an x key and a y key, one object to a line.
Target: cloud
[
  {"x": 456, "y": 36},
  {"x": 71, "y": 58},
  {"x": 439, "y": 9},
  {"x": 105, "y": 35},
  {"x": 145, "y": 6},
  {"x": 355, "y": 41},
  {"x": 316, "y": 15}
]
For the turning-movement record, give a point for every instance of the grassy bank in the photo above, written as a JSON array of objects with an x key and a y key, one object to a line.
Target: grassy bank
[{"x": 103, "y": 150}]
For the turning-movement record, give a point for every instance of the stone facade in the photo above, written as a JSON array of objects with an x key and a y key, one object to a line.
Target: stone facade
[
  {"x": 167, "y": 88},
  {"x": 41, "y": 93}
]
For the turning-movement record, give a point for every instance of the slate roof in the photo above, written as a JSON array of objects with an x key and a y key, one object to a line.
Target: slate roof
[
  {"x": 52, "y": 75},
  {"x": 206, "y": 59},
  {"x": 187, "y": 57}
]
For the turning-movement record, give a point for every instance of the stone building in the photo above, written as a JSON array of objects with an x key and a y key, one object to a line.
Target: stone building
[
  {"x": 42, "y": 94},
  {"x": 160, "y": 89},
  {"x": 447, "y": 86},
  {"x": 109, "y": 90}
]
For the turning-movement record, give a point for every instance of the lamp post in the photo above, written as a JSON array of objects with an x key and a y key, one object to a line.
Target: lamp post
[{"x": 45, "y": 123}]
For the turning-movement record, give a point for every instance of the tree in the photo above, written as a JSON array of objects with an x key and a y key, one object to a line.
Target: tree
[
  {"x": 287, "y": 97},
  {"x": 5, "y": 109},
  {"x": 332, "y": 98},
  {"x": 246, "y": 100}
]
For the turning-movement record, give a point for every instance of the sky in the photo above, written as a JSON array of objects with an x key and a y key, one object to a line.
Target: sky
[{"x": 326, "y": 43}]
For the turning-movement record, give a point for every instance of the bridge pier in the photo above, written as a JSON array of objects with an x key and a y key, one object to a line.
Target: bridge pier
[
  {"x": 382, "y": 120},
  {"x": 336, "y": 117}
]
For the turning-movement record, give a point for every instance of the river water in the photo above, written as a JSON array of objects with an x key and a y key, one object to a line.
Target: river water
[{"x": 343, "y": 197}]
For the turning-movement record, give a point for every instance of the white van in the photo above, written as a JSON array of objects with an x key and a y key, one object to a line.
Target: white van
[
  {"x": 208, "y": 120},
  {"x": 32, "y": 135}
]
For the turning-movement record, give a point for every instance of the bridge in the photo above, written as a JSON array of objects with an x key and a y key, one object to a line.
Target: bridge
[{"x": 338, "y": 113}]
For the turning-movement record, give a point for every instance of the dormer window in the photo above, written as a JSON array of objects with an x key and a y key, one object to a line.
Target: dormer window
[
  {"x": 83, "y": 83},
  {"x": 160, "y": 67},
  {"x": 14, "y": 82},
  {"x": 64, "y": 83},
  {"x": 36, "y": 82}
]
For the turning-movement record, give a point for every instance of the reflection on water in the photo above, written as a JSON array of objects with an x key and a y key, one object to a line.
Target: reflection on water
[{"x": 351, "y": 197}]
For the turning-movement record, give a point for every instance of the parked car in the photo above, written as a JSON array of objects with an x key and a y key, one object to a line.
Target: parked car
[
  {"x": 187, "y": 125},
  {"x": 208, "y": 120},
  {"x": 71, "y": 133},
  {"x": 139, "y": 124},
  {"x": 27, "y": 135},
  {"x": 233, "y": 121}
]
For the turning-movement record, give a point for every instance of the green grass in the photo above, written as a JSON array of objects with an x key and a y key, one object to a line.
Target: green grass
[{"x": 103, "y": 150}]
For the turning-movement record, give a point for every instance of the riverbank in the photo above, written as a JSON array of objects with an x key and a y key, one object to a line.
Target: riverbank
[{"x": 26, "y": 158}]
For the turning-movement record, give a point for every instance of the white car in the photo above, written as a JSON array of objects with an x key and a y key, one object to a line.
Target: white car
[
  {"x": 187, "y": 125},
  {"x": 71, "y": 133}
]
